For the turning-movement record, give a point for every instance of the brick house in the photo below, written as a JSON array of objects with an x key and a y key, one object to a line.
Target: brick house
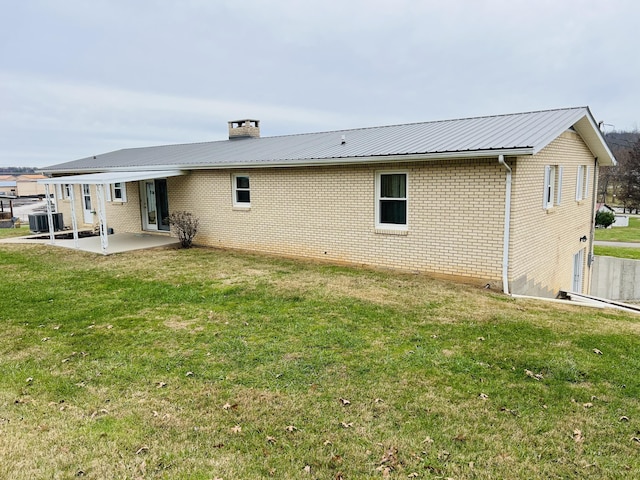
[{"x": 504, "y": 200}]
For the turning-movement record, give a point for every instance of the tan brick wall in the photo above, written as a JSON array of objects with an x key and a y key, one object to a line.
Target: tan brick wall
[
  {"x": 455, "y": 215},
  {"x": 543, "y": 242},
  {"x": 121, "y": 216}
]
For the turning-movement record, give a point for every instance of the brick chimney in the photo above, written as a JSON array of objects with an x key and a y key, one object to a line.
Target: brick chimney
[{"x": 244, "y": 129}]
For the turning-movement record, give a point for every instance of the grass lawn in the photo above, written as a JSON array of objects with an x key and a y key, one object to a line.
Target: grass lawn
[
  {"x": 620, "y": 252},
  {"x": 205, "y": 364},
  {"x": 620, "y": 234},
  {"x": 15, "y": 232}
]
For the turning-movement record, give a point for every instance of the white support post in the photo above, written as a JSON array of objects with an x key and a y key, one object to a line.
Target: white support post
[
  {"x": 74, "y": 220},
  {"x": 102, "y": 218},
  {"x": 47, "y": 193}
]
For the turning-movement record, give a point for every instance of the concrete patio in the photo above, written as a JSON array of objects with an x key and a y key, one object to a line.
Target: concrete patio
[{"x": 118, "y": 242}]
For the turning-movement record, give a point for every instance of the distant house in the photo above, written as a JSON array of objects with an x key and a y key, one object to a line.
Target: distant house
[
  {"x": 504, "y": 200},
  {"x": 22, "y": 185},
  {"x": 621, "y": 219}
]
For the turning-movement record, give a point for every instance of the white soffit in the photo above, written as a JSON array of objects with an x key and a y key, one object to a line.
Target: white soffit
[{"x": 112, "y": 177}]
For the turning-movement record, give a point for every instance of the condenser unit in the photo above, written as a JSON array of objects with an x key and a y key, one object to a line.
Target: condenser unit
[{"x": 39, "y": 222}]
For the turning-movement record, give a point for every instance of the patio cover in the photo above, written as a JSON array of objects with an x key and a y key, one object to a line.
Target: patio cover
[
  {"x": 106, "y": 178},
  {"x": 100, "y": 180}
]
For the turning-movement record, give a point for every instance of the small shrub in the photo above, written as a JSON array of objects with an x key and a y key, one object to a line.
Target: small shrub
[
  {"x": 185, "y": 226},
  {"x": 605, "y": 219}
]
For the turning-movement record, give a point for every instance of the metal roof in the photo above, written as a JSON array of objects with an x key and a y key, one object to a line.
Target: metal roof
[{"x": 512, "y": 134}]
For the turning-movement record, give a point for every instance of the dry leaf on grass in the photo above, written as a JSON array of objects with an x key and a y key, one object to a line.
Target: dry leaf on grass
[
  {"x": 483, "y": 396},
  {"x": 161, "y": 384},
  {"x": 624, "y": 418},
  {"x": 535, "y": 376},
  {"x": 597, "y": 352},
  {"x": 344, "y": 401},
  {"x": 587, "y": 405},
  {"x": 270, "y": 439},
  {"x": 236, "y": 429},
  {"x": 346, "y": 425},
  {"x": 577, "y": 436},
  {"x": 307, "y": 469},
  {"x": 290, "y": 428},
  {"x": 142, "y": 450}
]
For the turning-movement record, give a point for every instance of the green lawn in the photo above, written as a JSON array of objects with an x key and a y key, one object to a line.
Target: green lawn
[
  {"x": 620, "y": 234},
  {"x": 15, "y": 232},
  {"x": 206, "y": 364},
  {"x": 620, "y": 252}
]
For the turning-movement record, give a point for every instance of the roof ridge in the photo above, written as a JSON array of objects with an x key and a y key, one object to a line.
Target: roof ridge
[{"x": 361, "y": 128}]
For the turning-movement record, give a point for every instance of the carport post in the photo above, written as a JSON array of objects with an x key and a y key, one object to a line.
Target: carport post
[
  {"x": 102, "y": 218},
  {"x": 74, "y": 220},
  {"x": 52, "y": 235}
]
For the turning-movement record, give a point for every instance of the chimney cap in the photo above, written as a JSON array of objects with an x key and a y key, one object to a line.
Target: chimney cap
[{"x": 245, "y": 128}]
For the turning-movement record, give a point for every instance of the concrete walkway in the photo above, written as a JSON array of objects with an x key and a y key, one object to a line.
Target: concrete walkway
[
  {"x": 617, "y": 244},
  {"x": 118, "y": 243}
]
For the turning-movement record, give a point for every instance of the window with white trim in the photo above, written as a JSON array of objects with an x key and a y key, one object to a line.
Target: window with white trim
[
  {"x": 241, "y": 191},
  {"x": 582, "y": 183},
  {"x": 119, "y": 192},
  {"x": 66, "y": 190},
  {"x": 549, "y": 186},
  {"x": 391, "y": 200},
  {"x": 552, "y": 186}
]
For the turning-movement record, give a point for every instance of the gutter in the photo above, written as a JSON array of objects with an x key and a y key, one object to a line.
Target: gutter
[
  {"x": 507, "y": 227},
  {"x": 594, "y": 196}
]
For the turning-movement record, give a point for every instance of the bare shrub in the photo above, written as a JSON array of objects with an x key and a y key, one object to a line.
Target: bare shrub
[{"x": 185, "y": 226}]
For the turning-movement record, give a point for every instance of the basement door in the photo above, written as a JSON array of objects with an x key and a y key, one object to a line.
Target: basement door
[
  {"x": 155, "y": 204},
  {"x": 578, "y": 269}
]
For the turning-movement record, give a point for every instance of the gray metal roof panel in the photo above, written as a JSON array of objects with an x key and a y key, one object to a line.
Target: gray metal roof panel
[{"x": 532, "y": 130}]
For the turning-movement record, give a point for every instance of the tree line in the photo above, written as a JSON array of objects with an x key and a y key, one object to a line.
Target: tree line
[{"x": 620, "y": 185}]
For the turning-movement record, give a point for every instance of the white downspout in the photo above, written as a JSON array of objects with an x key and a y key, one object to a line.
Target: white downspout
[
  {"x": 592, "y": 233},
  {"x": 507, "y": 227}
]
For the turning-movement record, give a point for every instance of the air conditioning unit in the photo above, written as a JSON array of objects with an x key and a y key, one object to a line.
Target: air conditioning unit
[{"x": 39, "y": 222}]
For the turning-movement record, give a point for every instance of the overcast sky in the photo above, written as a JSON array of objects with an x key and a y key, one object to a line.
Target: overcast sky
[{"x": 83, "y": 77}]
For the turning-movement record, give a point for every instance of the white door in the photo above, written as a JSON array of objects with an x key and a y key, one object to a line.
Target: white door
[
  {"x": 149, "y": 209},
  {"x": 578, "y": 268},
  {"x": 86, "y": 203}
]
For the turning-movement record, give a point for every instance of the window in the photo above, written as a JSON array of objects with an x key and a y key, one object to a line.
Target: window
[
  {"x": 391, "y": 200},
  {"x": 549, "y": 186},
  {"x": 63, "y": 191},
  {"x": 241, "y": 191},
  {"x": 119, "y": 192},
  {"x": 552, "y": 186},
  {"x": 582, "y": 183}
]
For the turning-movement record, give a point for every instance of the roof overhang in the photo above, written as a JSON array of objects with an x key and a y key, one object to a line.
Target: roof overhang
[
  {"x": 585, "y": 125},
  {"x": 592, "y": 136},
  {"x": 105, "y": 178}
]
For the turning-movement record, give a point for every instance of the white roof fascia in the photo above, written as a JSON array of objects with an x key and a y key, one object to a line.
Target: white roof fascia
[
  {"x": 111, "y": 177},
  {"x": 585, "y": 125},
  {"x": 592, "y": 136}
]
